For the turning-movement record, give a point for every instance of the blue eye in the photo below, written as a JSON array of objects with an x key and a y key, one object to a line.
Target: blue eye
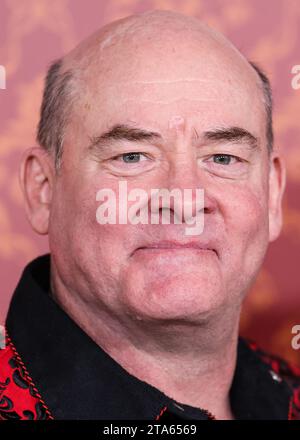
[
  {"x": 131, "y": 157},
  {"x": 131, "y": 161},
  {"x": 223, "y": 159}
]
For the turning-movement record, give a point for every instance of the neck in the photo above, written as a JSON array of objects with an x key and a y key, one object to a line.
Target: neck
[{"x": 193, "y": 363}]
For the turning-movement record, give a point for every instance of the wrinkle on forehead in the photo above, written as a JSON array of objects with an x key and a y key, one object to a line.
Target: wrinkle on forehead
[
  {"x": 168, "y": 91},
  {"x": 162, "y": 81},
  {"x": 168, "y": 100}
]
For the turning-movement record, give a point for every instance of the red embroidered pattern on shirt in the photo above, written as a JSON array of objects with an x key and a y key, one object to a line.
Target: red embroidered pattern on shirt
[{"x": 19, "y": 398}]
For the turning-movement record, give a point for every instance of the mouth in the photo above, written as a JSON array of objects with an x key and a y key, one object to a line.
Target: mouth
[{"x": 165, "y": 246}]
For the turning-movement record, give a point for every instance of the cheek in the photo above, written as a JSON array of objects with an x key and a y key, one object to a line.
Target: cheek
[
  {"x": 246, "y": 223},
  {"x": 85, "y": 250},
  {"x": 73, "y": 218},
  {"x": 247, "y": 213},
  {"x": 244, "y": 206}
]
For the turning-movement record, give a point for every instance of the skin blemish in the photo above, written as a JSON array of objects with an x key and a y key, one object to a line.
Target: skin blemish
[{"x": 177, "y": 123}]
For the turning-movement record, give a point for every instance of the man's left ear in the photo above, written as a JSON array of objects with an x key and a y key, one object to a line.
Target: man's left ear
[
  {"x": 36, "y": 179},
  {"x": 277, "y": 181}
]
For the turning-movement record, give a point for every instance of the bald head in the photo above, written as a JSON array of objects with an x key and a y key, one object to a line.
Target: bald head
[{"x": 157, "y": 56}]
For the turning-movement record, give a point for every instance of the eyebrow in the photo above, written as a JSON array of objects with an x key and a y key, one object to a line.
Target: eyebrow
[
  {"x": 121, "y": 132},
  {"x": 232, "y": 134}
]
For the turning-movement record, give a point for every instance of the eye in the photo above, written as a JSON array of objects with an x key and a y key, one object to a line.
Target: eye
[
  {"x": 131, "y": 157},
  {"x": 226, "y": 165},
  {"x": 224, "y": 159}
]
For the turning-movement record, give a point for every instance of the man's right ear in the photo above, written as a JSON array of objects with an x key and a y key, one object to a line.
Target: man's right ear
[{"x": 36, "y": 176}]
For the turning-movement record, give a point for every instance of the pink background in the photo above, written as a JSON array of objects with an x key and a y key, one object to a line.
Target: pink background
[{"x": 34, "y": 32}]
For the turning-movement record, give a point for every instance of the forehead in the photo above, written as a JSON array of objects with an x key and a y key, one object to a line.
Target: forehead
[
  {"x": 206, "y": 84},
  {"x": 192, "y": 105}
]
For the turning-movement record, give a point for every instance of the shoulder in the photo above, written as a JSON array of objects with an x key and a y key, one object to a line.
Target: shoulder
[{"x": 282, "y": 370}]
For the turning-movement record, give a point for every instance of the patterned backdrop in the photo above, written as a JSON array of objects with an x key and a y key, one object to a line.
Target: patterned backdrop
[{"x": 34, "y": 32}]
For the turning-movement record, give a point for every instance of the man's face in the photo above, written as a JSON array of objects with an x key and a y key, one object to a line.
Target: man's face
[{"x": 182, "y": 91}]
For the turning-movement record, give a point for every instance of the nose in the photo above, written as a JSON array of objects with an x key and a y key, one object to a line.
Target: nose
[{"x": 189, "y": 194}]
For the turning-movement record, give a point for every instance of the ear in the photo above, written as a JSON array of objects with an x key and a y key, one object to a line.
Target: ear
[
  {"x": 36, "y": 180},
  {"x": 277, "y": 181}
]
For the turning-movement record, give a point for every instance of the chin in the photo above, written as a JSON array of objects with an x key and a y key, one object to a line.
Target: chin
[{"x": 184, "y": 298}]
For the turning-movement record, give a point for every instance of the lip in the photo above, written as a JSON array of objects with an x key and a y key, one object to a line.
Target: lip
[{"x": 173, "y": 245}]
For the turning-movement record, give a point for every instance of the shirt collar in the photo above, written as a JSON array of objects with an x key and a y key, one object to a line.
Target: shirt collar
[{"x": 79, "y": 380}]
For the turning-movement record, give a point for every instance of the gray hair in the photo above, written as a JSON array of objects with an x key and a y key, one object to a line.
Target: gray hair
[
  {"x": 55, "y": 110},
  {"x": 58, "y": 99},
  {"x": 268, "y": 101}
]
